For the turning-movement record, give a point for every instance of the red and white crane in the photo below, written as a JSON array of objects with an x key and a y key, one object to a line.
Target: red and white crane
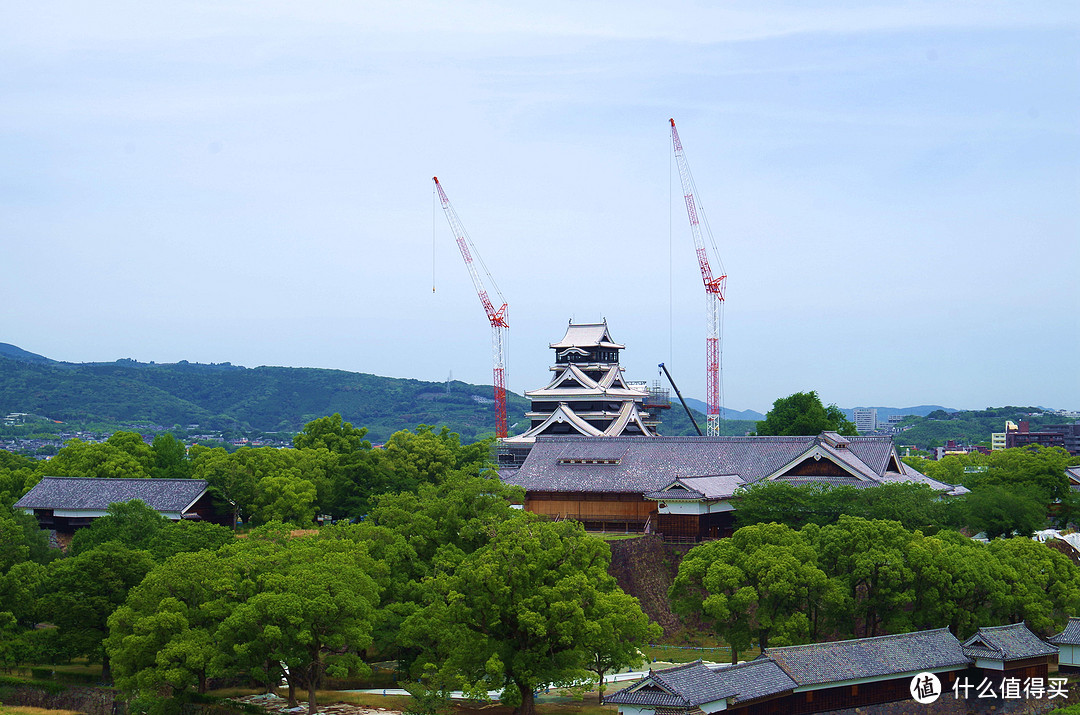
[
  {"x": 715, "y": 286},
  {"x": 495, "y": 316}
]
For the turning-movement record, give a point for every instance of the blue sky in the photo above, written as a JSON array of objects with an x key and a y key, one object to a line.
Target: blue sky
[{"x": 893, "y": 188}]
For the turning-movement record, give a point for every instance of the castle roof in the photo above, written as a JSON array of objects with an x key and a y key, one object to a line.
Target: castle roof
[{"x": 586, "y": 335}]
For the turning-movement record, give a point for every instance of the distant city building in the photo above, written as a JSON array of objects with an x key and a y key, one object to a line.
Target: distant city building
[
  {"x": 951, "y": 448},
  {"x": 1020, "y": 435},
  {"x": 865, "y": 419}
]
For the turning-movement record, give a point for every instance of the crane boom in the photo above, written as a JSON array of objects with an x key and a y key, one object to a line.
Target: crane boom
[
  {"x": 496, "y": 316},
  {"x": 715, "y": 288}
]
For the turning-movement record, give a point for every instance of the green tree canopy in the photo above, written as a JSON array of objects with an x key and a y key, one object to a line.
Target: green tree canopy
[
  {"x": 803, "y": 414},
  {"x": 519, "y": 612},
  {"x": 131, "y": 523},
  {"x": 762, "y": 585},
  {"x": 170, "y": 458},
  {"x": 81, "y": 593}
]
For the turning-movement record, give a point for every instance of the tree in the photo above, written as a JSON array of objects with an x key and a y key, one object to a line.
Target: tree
[
  {"x": 518, "y": 613},
  {"x": 165, "y": 633},
  {"x": 312, "y": 608},
  {"x": 182, "y": 536},
  {"x": 1002, "y": 512},
  {"x": 170, "y": 458},
  {"x": 615, "y": 636},
  {"x": 81, "y": 593},
  {"x": 247, "y": 608},
  {"x": 118, "y": 457},
  {"x": 334, "y": 434},
  {"x": 763, "y": 584},
  {"x": 803, "y": 414},
  {"x": 870, "y": 559},
  {"x": 131, "y": 523}
]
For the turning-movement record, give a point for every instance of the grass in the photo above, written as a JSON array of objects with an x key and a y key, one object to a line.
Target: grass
[{"x": 21, "y": 710}]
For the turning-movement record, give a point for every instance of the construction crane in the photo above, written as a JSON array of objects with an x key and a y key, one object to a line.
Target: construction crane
[
  {"x": 715, "y": 286},
  {"x": 679, "y": 395},
  {"x": 495, "y": 316}
]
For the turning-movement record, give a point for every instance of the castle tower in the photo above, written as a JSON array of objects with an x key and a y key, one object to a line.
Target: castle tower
[{"x": 588, "y": 395}]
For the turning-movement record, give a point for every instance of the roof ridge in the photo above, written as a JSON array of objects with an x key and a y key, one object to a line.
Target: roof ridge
[
  {"x": 131, "y": 479},
  {"x": 859, "y": 640},
  {"x": 1007, "y": 625}
]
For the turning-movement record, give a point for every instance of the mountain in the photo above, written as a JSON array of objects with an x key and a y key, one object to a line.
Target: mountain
[
  {"x": 240, "y": 400},
  {"x": 729, "y": 414},
  {"x": 16, "y": 353},
  {"x": 234, "y": 398}
]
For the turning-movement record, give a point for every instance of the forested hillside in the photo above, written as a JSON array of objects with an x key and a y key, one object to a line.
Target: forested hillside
[
  {"x": 229, "y": 397},
  {"x": 263, "y": 399},
  {"x": 970, "y": 426}
]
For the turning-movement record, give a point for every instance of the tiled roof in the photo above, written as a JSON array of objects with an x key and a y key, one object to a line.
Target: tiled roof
[
  {"x": 757, "y": 679},
  {"x": 694, "y": 682},
  {"x": 1073, "y": 473},
  {"x": 85, "y": 493},
  {"x": 698, "y": 488},
  {"x": 683, "y": 686},
  {"x": 882, "y": 656},
  {"x": 646, "y": 696},
  {"x": 1012, "y": 642},
  {"x": 586, "y": 335},
  {"x": 648, "y": 464},
  {"x": 1069, "y": 636}
]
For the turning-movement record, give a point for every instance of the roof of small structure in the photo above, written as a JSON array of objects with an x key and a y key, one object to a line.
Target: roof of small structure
[
  {"x": 1011, "y": 642},
  {"x": 682, "y": 686},
  {"x": 756, "y": 679},
  {"x": 648, "y": 464},
  {"x": 1073, "y": 473},
  {"x": 1070, "y": 635},
  {"x": 93, "y": 494},
  {"x": 586, "y": 335},
  {"x": 698, "y": 488},
  {"x": 839, "y": 661}
]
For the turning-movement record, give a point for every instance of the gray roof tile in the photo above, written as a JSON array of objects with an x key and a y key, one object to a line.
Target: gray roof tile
[
  {"x": 1012, "y": 642},
  {"x": 839, "y": 661},
  {"x": 91, "y": 494},
  {"x": 682, "y": 686},
  {"x": 648, "y": 464},
  {"x": 757, "y": 679},
  {"x": 1069, "y": 636}
]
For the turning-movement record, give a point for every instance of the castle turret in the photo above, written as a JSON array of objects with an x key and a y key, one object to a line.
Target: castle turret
[{"x": 588, "y": 395}]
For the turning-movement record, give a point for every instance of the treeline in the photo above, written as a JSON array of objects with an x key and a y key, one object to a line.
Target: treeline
[
  {"x": 238, "y": 399},
  {"x": 443, "y": 575},
  {"x": 771, "y": 584},
  {"x": 1017, "y": 490},
  {"x": 970, "y": 426}
]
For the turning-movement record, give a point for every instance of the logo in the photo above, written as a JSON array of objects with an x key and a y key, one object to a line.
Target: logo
[{"x": 925, "y": 688}]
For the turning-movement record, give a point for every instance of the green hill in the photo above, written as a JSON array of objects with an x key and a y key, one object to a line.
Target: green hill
[
  {"x": 969, "y": 426},
  {"x": 233, "y": 398},
  {"x": 243, "y": 400}
]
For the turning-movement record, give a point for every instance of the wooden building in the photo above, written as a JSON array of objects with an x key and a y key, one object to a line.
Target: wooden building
[
  {"x": 1068, "y": 644},
  {"x": 64, "y": 504},
  {"x": 686, "y": 487},
  {"x": 823, "y": 677},
  {"x": 1010, "y": 651}
]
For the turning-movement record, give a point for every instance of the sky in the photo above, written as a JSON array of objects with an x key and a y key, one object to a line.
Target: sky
[{"x": 893, "y": 189}]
